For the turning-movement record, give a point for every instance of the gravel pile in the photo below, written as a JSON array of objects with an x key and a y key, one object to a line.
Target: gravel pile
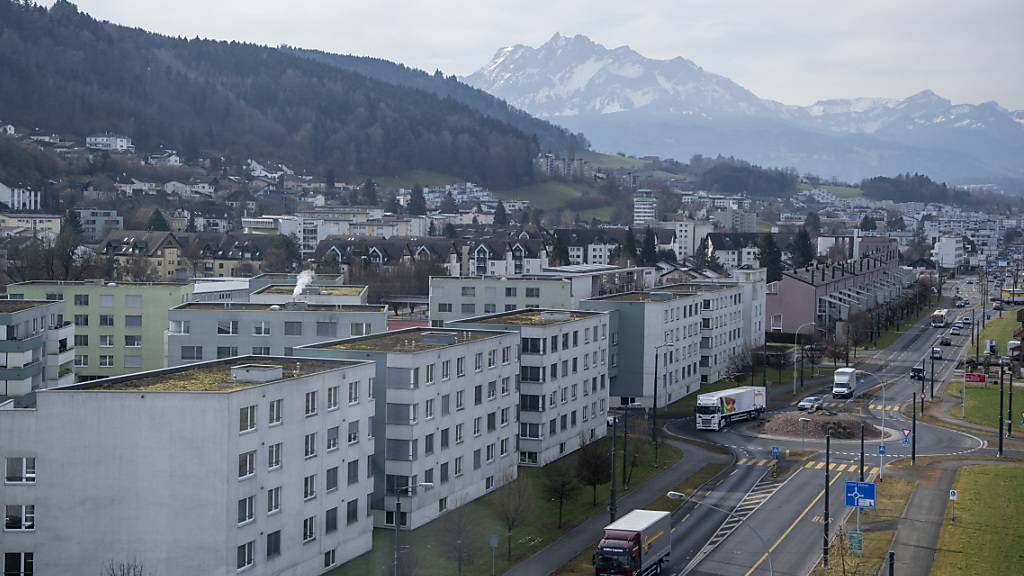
[{"x": 843, "y": 426}]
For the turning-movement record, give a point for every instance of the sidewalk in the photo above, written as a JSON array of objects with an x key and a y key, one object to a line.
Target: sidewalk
[
  {"x": 940, "y": 411},
  {"x": 917, "y": 533},
  {"x": 578, "y": 539}
]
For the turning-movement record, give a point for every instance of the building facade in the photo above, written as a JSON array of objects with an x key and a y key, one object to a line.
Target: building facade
[
  {"x": 37, "y": 346},
  {"x": 563, "y": 383},
  {"x": 96, "y": 223},
  {"x": 445, "y": 415},
  {"x": 241, "y": 463},
  {"x": 19, "y": 197},
  {"x": 119, "y": 326},
  {"x": 645, "y": 207}
]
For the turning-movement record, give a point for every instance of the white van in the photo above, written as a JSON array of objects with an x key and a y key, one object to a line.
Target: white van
[{"x": 844, "y": 381}]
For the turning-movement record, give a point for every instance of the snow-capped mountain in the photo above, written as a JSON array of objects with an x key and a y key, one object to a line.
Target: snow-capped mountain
[{"x": 624, "y": 101}]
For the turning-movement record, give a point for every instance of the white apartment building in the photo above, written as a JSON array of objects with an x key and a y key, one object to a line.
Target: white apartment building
[
  {"x": 689, "y": 234},
  {"x": 96, "y": 222},
  {"x": 445, "y": 415},
  {"x": 20, "y": 197},
  {"x": 948, "y": 252},
  {"x": 213, "y": 468},
  {"x": 563, "y": 384},
  {"x": 655, "y": 337},
  {"x": 109, "y": 141},
  {"x": 645, "y": 207},
  {"x": 722, "y": 342},
  {"x": 37, "y": 347}
]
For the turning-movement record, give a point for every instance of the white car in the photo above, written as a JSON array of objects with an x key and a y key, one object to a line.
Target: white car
[{"x": 809, "y": 403}]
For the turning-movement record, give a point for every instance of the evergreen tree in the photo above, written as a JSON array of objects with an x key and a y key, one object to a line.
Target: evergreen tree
[
  {"x": 649, "y": 249},
  {"x": 448, "y": 204},
  {"x": 449, "y": 231},
  {"x": 559, "y": 252},
  {"x": 392, "y": 205},
  {"x": 330, "y": 179},
  {"x": 417, "y": 204},
  {"x": 430, "y": 230},
  {"x": 500, "y": 216},
  {"x": 157, "y": 222},
  {"x": 802, "y": 249},
  {"x": 868, "y": 224},
  {"x": 629, "y": 246},
  {"x": 191, "y": 227},
  {"x": 369, "y": 192},
  {"x": 813, "y": 223},
  {"x": 770, "y": 257},
  {"x": 73, "y": 223}
]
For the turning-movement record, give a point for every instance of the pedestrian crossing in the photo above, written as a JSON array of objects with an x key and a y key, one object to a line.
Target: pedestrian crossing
[
  {"x": 886, "y": 407},
  {"x": 840, "y": 467},
  {"x": 755, "y": 461}
]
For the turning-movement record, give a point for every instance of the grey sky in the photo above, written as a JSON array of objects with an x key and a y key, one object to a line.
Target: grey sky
[{"x": 794, "y": 51}]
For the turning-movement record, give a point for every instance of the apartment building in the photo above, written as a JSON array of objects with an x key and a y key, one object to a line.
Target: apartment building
[
  {"x": 949, "y": 253},
  {"x": 645, "y": 207},
  {"x": 161, "y": 252},
  {"x": 563, "y": 383},
  {"x": 445, "y": 415},
  {"x": 119, "y": 326},
  {"x": 206, "y": 330},
  {"x": 723, "y": 348},
  {"x": 97, "y": 222},
  {"x": 560, "y": 288},
  {"x": 652, "y": 332},
  {"x": 37, "y": 346},
  {"x": 689, "y": 234},
  {"x": 213, "y": 468}
]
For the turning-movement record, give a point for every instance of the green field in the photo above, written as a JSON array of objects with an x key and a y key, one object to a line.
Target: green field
[
  {"x": 611, "y": 161},
  {"x": 414, "y": 177},
  {"x": 983, "y": 402},
  {"x": 604, "y": 213},
  {"x": 988, "y": 534},
  {"x": 430, "y": 545},
  {"x": 998, "y": 329},
  {"x": 547, "y": 195},
  {"x": 840, "y": 191}
]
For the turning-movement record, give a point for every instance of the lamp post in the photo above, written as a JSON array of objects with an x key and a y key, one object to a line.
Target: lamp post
[
  {"x": 654, "y": 409},
  {"x": 881, "y": 458},
  {"x": 796, "y": 343},
  {"x": 685, "y": 498},
  {"x": 407, "y": 490},
  {"x": 625, "y": 445}
]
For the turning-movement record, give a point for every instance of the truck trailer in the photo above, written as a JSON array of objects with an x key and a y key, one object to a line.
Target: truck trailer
[
  {"x": 716, "y": 409},
  {"x": 638, "y": 544}
]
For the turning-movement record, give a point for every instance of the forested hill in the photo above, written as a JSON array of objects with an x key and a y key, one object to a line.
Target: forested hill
[
  {"x": 551, "y": 137},
  {"x": 64, "y": 71}
]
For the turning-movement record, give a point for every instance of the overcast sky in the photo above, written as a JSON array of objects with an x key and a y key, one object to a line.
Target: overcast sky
[{"x": 794, "y": 51}]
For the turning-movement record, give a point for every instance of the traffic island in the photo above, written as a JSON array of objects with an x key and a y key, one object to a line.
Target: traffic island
[{"x": 814, "y": 425}]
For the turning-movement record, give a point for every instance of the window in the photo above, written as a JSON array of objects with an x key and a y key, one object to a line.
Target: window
[
  {"x": 246, "y": 509},
  {"x": 19, "y": 564},
  {"x": 135, "y": 321},
  {"x": 309, "y": 529},
  {"x": 459, "y": 400},
  {"x": 106, "y": 319},
  {"x": 332, "y": 438},
  {"x": 444, "y": 307},
  {"x": 311, "y": 403},
  {"x": 476, "y": 459},
  {"x": 261, "y": 350},
  {"x": 20, "y": 470},
  {"x": 360, "y": 328},
  {"x": 106, "y": 340},
  {"x": 492, "y": 423},
  {"x": 504, "y": 416},
  {"x": 446, "y": 369},
  {"x": 444, "y": 439},
  {"x": 477, "y": 426},
  {"x": 274, "y": 456},
  {"x": 227, "y": 351},
  {"x": 133, "y": 341},
  {"x": 458, "y": 466},
  {"x": 81, "y": 299},
  {"x": 246, "y": 418},
  {"x": 533, "y": 292},
  {"x": 490, "y": 309},
  {"x": 181, "y": 327},
  {"x": 492, "y": 389},
  {"x": 327, "y": 329},
  {"x": 528, "y": 430},
  {"x": 352, "y": 511},
  {"x": 293, "y": 328},
  {"x": 309, "y": 487},
  {"x": 428, "y": 444},
  {"x": 246, "y": 464},
  {"x": 331, "y": 520},
  {"x": 310, "y": 445},
  {"x": 20, "y": 517},
  {"x": 353, "y": 472},
  {"x": 506, "y": 353},
  {"x": 81, "y": 339},
  {"x": 81, "y": 360},
  {"x": 334, "y": 391},
  {"x": 273, "y": 500},
  {"x": 81, "y": 319},
  {"x": 489, "y": 483},
  {"x": 273, "y": 544},
  {"x": 445, "y": 404},
  {"x": 489, "y": 454},
  {"x": 458, "y": 433},
  {"x": 503, "y": 446},
  {"x": 428, "y": 409},
  {"x": 444, "y": 473},
  {"x": 245, "y": 552},
  {"x": 478, "y": 395},
  {"x": 353, "y": 431},
  {"x": 460, "y": 366},
  {"x": 106, "y": 361},
  {"x": 260, "y": 328},
  {"x": 133, "y": 301},
  {"x": 227, "y": 327},
  {"x": 469, "y": 291},
  {"x": 274, "y": 412},
  {"x": 331, "y": 481},
  {"x": 353, "y": 392},
  {"x": 532, "y": 346},
  {"x": 510, "y": 292},
  {"x": 505, "y": 385}
]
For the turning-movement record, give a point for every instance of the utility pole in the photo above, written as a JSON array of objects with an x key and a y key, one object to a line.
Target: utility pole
[
  {"x": 801, "y": 368},
  {"x": 654, "y": 409},
  {"x": 862, "y": 452},
  {"x": 764, "y": 360},
  {"x": 1009, "y": 409},
  {"x": 612, "y": 507},
  {"x": 625, "y": 447},
  {"x": 932, "y": 393},
  {"x": 913, "y": 435},
  {"x": 824, "y": 541},
  {"x": 892, "y": 563},
  {"x": 1000, "y": 410}
]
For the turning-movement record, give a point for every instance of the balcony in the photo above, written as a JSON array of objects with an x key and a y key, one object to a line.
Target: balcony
[
  {"x": 27, "y": 371},
  {"x": 23, "y": 344}
]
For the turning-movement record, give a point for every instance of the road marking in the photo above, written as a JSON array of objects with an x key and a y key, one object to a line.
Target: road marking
[
  {"x": 809, "y": 464},
  {"x": 841, "y": 467},
  {"x": 762, "y": 462},
  {"x": 743, "y": 460},
  {"x": 819, "y": 466},
  {"x": 790, "y": 529}
]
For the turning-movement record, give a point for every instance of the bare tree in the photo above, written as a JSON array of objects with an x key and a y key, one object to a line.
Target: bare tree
[
  {"x": 125, "y": 568},
  {"x": 460, "y": 533},
  {"x": 560, "y": 484},
  {"x": 514, "y": 503},
  {"x": 593, "y": 466}
]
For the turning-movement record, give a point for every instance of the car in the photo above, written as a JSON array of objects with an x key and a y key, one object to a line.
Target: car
[
  {"x": 936, "y": 353},
  {"x": 809, "y": 403},
  {"x": 917, "y": 373},
  {"x": 958, "y": 324},
  {"x": 945, "y": 341},
  {"x": 954, "y": 331},
  {"x": 960, "y": 304},
  {"x": 997, "y": 306}
]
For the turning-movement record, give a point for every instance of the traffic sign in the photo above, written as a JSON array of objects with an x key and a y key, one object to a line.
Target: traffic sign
[
  {"x": 860, "y": 494},
  {"x": 973, "y": 378},
  {"x": 775, "y": 452},
  {"x": 881, "y": 449},
  {"x": 905, "y": 441},
  {"x": 953, "y": 494},
  {"x": 856, "y": 541}
]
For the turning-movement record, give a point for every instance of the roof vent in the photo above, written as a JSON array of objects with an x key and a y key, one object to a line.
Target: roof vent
[
  {"x": 256, "y": 373},
  {"x": 275, "y": 307},
  {"x": 554, "y": 316},
  {"x": 439, "y": 338}
]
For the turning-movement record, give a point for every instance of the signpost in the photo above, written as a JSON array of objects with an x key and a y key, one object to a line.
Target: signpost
[
  {"x": 775, "y": 452},
  {"x": 906, "y": 437},
  {"x": 857, "y": 541},
  {"x": 494, "y": 546},
  {"x": 881, "y": 449},
  {"x": 860, "y": 494},
  {"x": 952, "y": 496}
]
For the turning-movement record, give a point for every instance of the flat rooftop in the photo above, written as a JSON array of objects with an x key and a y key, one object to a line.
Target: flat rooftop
[
  {"x": 251, "y": 307},
  {"x": 93, "y": 282},
  {"x": 9, "y": 306},
  {"x": 652, "y": 296},
  {"x": 288, "y": 289},
  {"x": 532, "y": 317},
  {"x": 213, "y": 376},
  {"x": 695, "y": 287},
  {"x": 411, "y": 340}
]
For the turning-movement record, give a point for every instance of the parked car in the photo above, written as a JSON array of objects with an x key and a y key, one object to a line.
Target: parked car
[{"x": 809, "y": 403}]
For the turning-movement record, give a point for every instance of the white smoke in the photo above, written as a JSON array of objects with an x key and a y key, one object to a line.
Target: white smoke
[{"x": 301, "y": 282}]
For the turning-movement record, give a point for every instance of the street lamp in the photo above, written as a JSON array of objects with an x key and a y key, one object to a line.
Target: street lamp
[
  {"x": 625, "y": 440},
  {"x": 672, "y": 495},
  {"x": 796, "y": 343},
  {"x": 654, "y": 410},
  {"x": 881, "y": 461},
  {"x": 407, "y": 490}
]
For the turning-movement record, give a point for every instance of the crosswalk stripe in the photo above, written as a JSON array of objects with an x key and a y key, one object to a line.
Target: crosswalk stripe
[
  {"x": 743, "y": 460},
  {"x": 819, "y": 466},
  {"x": 874, "y": 470},
  {"x": 841, "y": 467},
  {"x": 762, "y": 461},
  {"x": 873, "y": 406},
  {"x": 809, "y": 464}
]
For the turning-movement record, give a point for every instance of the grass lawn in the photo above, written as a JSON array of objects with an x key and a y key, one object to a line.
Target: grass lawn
[
  {"x": 998, "y": 329},
  {"x": 988, "y": 534},
  {"x": 840, "y": 191},
  {"x": 413, "y": 177},
  {"x": 604, "y": 213},
  {"x": 983, "y": 402},
  {"x": 581, "y": 566},
  {"x": 547, "y": 195},
  {"x": 611, "y": 161},
  {"x": 431, "y": 554}
]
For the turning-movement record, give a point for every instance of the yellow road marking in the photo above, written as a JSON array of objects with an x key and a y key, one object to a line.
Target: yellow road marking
[
  {"x": 841, "y": 467},
  {"x": 809, "y": 464},
  {"x": 743, "y": 461},
  {"x": 819, "y": 466},
  {"x": 874, "y": 470},
  {"x": 790, "y": 529},
  {"x": 762, "y": 461}
]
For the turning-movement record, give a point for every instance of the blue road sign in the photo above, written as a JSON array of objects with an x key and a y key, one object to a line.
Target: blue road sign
[
  {"x": 905, "y": 441},
  {"x": 881, "y": 449},
  {"x": 860, "y": 381},
  {"x": 775, "y": 452},
  {"x": 860, "y": 494}
]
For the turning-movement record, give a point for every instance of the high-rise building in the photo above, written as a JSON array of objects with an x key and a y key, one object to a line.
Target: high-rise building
[
  {"x": 645, "y": 207},
  {"x": 37, "y": 346}
]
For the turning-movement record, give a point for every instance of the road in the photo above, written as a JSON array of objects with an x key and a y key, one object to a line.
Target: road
[{"x": 786, "y": 517}]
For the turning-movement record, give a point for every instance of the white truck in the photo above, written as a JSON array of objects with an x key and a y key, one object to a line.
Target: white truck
[
  {"x": 844, "y": 382},
  {"x": 635, "y": 545},
  {"x": 716, "y": 409}
]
